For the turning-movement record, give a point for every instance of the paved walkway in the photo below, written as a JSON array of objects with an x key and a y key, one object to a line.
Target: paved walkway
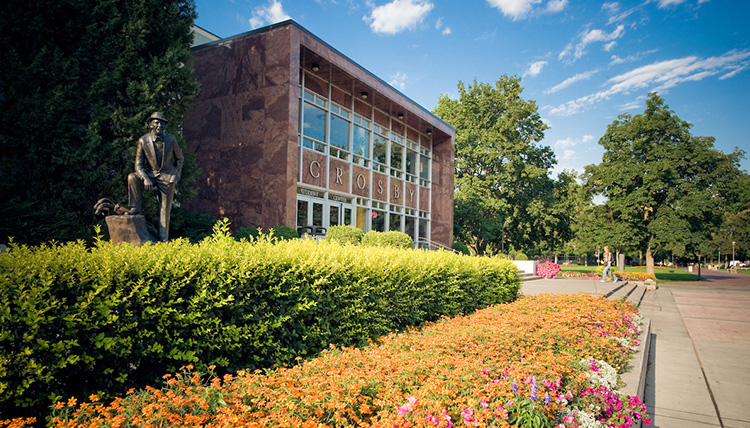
[{"x": 699, "y": 364}]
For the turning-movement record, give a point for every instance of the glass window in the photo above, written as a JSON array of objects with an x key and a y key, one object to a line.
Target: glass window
[
  {"x": 423, "y": 228},
  {"x": 395, "y": 222},
  {"x": 302, "y": 213},
  {"x": 411, "y": 162},
  {"x": 339, "y": 132},
  {"x": 409, "y": 229},
  {"x": 317, "y": 214},
  {"x": 424, "y": 168},
  {"x": 397, "y": 159},
  {"x": 333, "y": 219},
  {"x": 378, "y": 220},
  {"x": 361, "y": 145},
  {"x": 379, "y": 153},
  {"x": 315, "y": 123}
]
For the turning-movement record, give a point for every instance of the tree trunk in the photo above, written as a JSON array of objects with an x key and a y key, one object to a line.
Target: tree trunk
[{"x": 649, "y": 261}]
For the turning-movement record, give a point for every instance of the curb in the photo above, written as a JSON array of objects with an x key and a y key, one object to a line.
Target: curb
[{"x": 635, "y": 376}]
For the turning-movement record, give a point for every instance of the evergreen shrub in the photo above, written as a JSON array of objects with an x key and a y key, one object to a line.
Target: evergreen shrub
[
  {"x": 77, "y": 320},
  {"x": 461, "y": 248},
  {"x": 345, "y": 234},
  {"x": 387, "y": 239}
]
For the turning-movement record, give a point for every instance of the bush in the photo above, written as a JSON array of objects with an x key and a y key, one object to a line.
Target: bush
[
  {"x": 280, "y": 232},
  {"x": 76, "y": 321},
  {"x": 284, "y": 233},
  {"x": 520, "y": 256},
  {"x": 248, "y": 233},
  {"x": 387, "y": 239},
  {"x": 461, "y": 248},
  {"x": 345, "y": 234},
  {"x": 190, "y": 225}
]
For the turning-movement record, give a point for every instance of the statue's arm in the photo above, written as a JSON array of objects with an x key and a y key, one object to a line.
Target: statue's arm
[{"x": 140, "y": 165}]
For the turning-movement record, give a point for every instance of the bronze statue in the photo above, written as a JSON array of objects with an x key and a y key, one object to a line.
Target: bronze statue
[{"x": 158, "y": 165}]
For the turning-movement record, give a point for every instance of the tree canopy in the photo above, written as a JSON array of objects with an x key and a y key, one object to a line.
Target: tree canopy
[
  {"x": 78, "y": 81},
  {"x": 664, "y": 188},
  {"x": 504, "y": 195}
]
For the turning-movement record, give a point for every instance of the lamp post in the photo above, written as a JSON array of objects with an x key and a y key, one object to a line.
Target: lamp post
[{"x": 733, "y": 262}]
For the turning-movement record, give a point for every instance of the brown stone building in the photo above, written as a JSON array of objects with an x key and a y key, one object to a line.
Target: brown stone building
[{"x": 288, "y": 131}]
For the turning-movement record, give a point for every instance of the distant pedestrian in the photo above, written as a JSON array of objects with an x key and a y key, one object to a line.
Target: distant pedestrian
[{"x": 608, "y": 267}]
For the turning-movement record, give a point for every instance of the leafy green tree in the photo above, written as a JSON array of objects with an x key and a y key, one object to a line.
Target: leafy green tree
[
  {"x": 502, "y": 183},
  {"x": 78, "y": 80},
  {"x": 665, "y": 188}
]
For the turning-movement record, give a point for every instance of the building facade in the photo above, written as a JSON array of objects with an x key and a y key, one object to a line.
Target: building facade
[{"x": 288, "y": 131}]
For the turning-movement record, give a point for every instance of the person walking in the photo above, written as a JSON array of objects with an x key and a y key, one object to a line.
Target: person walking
[{"x": 608, "y": 268}]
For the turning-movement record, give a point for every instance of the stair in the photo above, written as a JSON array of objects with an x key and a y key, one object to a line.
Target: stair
[
  {"x": 631, "y": 291},
  {"x": 526, "y": 276}
]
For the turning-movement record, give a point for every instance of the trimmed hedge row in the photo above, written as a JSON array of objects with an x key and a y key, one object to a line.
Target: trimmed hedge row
[{"x": 76, "y": 321}]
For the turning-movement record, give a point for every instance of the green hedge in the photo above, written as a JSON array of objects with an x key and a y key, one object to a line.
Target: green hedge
[{"x": 76, "y": 321}]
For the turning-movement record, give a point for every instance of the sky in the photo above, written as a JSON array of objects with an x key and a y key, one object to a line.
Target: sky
[{"x": 582, "y": 62}]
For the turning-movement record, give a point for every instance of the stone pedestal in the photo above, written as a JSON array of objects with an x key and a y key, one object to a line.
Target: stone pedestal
[{"x": 129, "y": 228}]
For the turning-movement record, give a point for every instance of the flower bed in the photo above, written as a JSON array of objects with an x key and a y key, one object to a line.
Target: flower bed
[
  {"x": 543, "y": 361},
  {"x": 629, "y": 276}
]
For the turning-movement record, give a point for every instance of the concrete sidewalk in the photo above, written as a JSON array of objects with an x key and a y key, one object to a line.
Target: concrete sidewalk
[{"x": 699, "y": 361}]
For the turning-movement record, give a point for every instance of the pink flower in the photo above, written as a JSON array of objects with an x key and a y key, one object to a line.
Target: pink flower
[
  {"x": 447, "y": 419},
  {"x": 435, "y": 421},
  {"x": 467, "y": 415},
  {"x": 636, "y": 342},
  {"x": 406, "y": 407}
]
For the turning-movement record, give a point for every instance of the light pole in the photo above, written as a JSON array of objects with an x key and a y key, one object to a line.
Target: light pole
[{"x": 733, "y": 262}]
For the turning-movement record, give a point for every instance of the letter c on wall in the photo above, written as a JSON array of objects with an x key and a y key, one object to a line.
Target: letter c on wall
[{"x": 317, "y": 165}]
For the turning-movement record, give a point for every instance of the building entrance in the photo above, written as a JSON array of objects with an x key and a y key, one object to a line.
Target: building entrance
[{"x": 315, "y": 213}]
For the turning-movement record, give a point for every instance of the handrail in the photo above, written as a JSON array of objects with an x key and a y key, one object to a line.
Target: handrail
[{"x": 432, "y": 245}]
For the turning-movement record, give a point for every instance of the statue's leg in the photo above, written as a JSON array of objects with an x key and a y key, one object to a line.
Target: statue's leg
[
  {"x": 166, "y": 196},
  {"x": 135, "y": 193}
]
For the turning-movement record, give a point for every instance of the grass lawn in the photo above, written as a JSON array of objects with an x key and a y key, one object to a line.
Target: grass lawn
[{"x": 662, "y": 274}]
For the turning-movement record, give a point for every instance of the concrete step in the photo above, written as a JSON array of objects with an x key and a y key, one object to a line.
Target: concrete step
[
  {"x": 527, "y": 276},
  {"x": 631, "y": 291}
]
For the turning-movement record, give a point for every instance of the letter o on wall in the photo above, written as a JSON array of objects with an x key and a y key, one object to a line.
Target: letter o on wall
[{"x": 361, "y": 181}]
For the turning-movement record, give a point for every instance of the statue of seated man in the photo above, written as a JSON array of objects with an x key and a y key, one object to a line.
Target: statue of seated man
[{"x": 158, "y": 165}]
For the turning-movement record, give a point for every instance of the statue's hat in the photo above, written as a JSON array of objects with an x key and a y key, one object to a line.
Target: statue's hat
[{"x": 157, "y": 115}]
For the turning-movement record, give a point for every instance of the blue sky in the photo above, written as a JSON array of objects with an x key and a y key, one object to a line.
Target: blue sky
[{"x": 582, "y": 62}]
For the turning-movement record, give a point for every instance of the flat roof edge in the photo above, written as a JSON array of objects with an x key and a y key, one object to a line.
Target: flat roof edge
[{"x": 291, "y": 22}]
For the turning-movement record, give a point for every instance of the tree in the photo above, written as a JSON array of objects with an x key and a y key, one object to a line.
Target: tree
[
  {"x": 501, "y": 172},
  {"x": 78, "y": 80},
  {"x": 665, "y": 188}
]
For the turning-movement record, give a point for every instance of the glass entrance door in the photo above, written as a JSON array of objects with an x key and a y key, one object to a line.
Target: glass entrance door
[{"x": 340, "y": 214}]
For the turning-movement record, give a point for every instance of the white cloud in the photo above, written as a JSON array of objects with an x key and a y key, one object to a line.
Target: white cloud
[
  {"x": 272, "y": 13},
  {"x": 568, "y": 154},
  {"x": 554, "y": 6},
  {"x": 569, "y": 81},
  {"x": 398, "y": 81},
  {"x": 660, "y": 76},
  {"x": 398, "y": 15},
  {"x": 439, "y": 25},
  {"x": 667, "y": 3},
  {"x": 609, "y": 46},
  {"x": 535, "y": 68},
  {"x": 519, "y": 9},
  {"x": 589, "y": 37}
]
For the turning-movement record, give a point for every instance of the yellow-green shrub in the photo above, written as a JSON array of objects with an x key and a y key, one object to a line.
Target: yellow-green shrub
[
  {"x": 76, "y": 321},
  {"x": 387, "y": 239}
]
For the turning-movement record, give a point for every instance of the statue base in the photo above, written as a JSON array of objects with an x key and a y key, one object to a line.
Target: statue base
[{"x": 129, "y": 228}]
